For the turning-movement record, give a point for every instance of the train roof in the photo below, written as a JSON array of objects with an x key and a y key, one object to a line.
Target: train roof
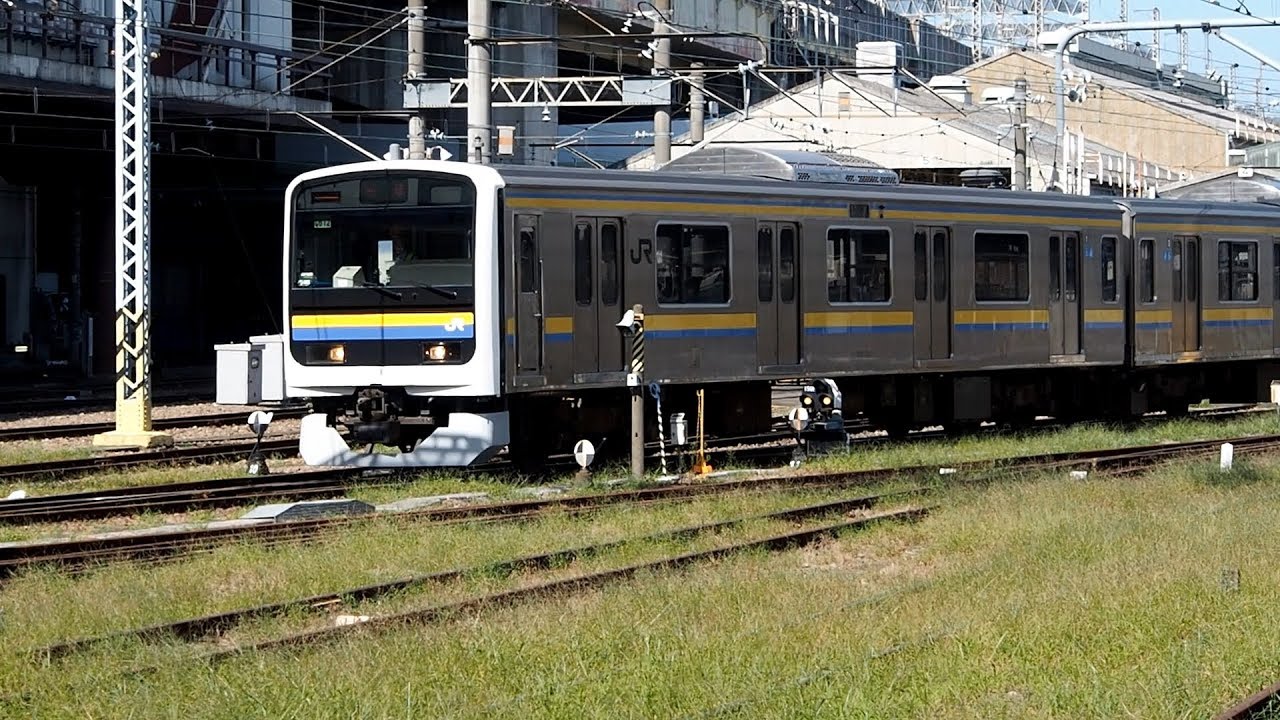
[{"x": 612, "y": 180}]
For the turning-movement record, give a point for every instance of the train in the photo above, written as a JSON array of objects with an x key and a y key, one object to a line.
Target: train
[{"x": 441, "y": 313}]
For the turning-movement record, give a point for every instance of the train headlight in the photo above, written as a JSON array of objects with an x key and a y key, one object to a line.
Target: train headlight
[
  {"x": 826, "y": 401},
  {"x": 337, "y": 354},
  {"x": 806, "y": 399},
  {"x": 441, "y": 351}
]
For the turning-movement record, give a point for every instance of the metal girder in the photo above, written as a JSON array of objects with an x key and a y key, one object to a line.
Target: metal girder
[
  {"x": 608, "y": 91},
  {"x": 133, "y": 232}
]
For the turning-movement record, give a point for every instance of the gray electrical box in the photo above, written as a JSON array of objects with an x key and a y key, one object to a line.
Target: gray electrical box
[
  {"x": 239, "y": 374},
  {"x": 272, "y": 366}
]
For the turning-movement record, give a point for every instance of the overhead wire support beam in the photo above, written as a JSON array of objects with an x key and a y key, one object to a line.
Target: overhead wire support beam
[
  {"x": 600, "y": 91},
  {"x": 1061, "y": 39},
  {"x": 133, "y": 233}
]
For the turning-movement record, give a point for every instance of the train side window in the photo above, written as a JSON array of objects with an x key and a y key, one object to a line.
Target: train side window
[
  {"x": 582, "y": 263},
  {"x": 528, "y": 260},
  {"x": 764, "y": 264},
  {"x": 692, "y": 264},
  {"x": 1177, "y": 270},
  {"x": 1275, "y": 270},
  {"x": 858, "y": 265},
  {"x": 787, "y": 264},
  {"x": 1055, "y": 268},
  {"x": 1108, "y": 268},
  {"x": 1237, "y": 271},
  {"x": 1002, "y": 271},
  {"x": 922, "y": 265},
  {"x": 608, "y": 264},
  {"x": 1147, "y": 271},
  {"x": 1070, "y": 268}
]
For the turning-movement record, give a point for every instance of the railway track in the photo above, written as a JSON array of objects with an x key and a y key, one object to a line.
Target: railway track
[
  {"x": 83, "y": 429},
  {"x": 166, "y": 543},
  {"x": 201, "y": 628},
  {"x": 1262, "y": 705},
  {"x": 62, "y": 469}
]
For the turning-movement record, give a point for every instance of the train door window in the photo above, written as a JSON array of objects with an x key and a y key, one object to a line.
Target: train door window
[
  {"x": 1055, "y": 268},
  {"x": 692, "y": 264},
  {"x": 764, "y": 264},
  {"x": 1147, "y": 270},
  {"x": 528, "y": 260},
  {"x": 608, "y": 263},
  {"x": 857, "y": 265},
  {"x": 1192, "y": 261},
  {"x": 1108, "y": 269},
  {"x": 787, "y": 264},
  {"x": 1002, "y": 270},
  {"x": 922, "y": 265},
  {"x": 582, "y": 263},
  {"x": 1177, "y": 270},
  {"x": 940, "y": 271},
  {"x": 1237, "y": 271},
  {"x": 1071, "y": 268},
  {"x": 1275, "y": 270}
]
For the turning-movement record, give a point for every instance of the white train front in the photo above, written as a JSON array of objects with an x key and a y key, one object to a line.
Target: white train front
[{"x": 391, "y": 294}]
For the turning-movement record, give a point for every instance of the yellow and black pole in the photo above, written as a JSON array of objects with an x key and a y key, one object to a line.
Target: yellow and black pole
[{"x": 635, "y": 379}]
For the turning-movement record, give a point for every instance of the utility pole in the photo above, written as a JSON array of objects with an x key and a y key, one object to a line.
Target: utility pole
[
  {"x": 661, "y": 67},
  {"x": 417, "y": 68},
  {"x": 1020, "y": 134},
  {"x": 479, "y": 80},
  {"x": 697, "y": 103},
  {"x": 133, "y": 233}
]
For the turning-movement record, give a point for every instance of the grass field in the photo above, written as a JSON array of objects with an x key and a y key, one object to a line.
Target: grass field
[
  {"x": 1040, "y": 598},
  {"x": 1043, "y": 597}
]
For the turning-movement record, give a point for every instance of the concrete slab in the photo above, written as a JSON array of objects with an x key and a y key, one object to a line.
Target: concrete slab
[
  {"x": 409, "y": 504},
  {"x": 286, "y": 512}
]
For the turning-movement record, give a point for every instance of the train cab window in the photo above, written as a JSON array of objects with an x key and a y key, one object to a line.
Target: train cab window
[
  {"x": 1237, "y": 271},
  {"x": 1147, "y": 270},
  {"x": 787, "y": 264},
  {"x": 1108, "y": 269},
  {"x": 858, "y": 265},
  {"x": 764, "y": 264},
  {"x": 692, "y": 264},
  {"x": 1002, "y": 271},
  {"x": 528, "y": 260},
  {"x": 582, "y": 263},
  {"x": 608, "y": 264}
]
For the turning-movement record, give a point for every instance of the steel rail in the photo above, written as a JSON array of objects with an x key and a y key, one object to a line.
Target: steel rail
[
  {"x": 81, "y": 429},
  {"x": 61, "y": 469},
  {"x": 1263, "y": 704},
  {"x": 192, "y": 629}
]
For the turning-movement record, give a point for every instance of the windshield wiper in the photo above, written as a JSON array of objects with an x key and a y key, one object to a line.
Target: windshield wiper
[
  {"x": 450, "y": 294},
  {"x": 384, "y": 291}
]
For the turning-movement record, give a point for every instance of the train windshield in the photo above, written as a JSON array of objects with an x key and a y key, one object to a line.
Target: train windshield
[{"x": 386, "y": 230}]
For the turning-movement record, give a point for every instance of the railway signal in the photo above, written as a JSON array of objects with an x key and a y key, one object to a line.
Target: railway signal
[{"x": 259, "y": 421}]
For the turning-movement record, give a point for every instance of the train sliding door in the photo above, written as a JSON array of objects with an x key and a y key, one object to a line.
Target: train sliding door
[
  {"x": 597, "y": 343},
  {"x": 932, "y": 293},
  {"x": 1185, "y": 294},
  {"x": 777, "y": 295},
  {"x": 528, "y": 298},
  {"x": 1064, "y": 293}
]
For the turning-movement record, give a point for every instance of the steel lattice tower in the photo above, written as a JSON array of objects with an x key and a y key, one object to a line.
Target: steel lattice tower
[
  {"x": 133, "y": 232},
  {"x": 992, "y": 25}
]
